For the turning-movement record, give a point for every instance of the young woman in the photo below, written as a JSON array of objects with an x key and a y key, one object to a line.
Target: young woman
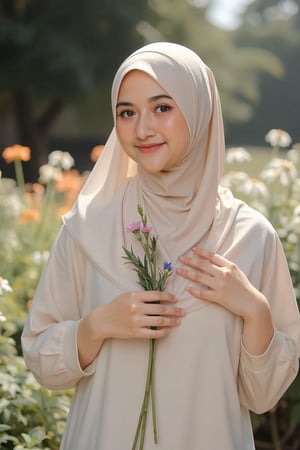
[{"x": 227, "y": 327}]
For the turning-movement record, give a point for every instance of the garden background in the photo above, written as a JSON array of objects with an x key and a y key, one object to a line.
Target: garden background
[{"x": 57, "y": 61}]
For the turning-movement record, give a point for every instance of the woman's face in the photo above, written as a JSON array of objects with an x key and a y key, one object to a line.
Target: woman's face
[{"x": 150, "y": 126}]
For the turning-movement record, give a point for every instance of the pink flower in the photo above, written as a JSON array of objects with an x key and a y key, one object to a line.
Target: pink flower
[
  {"x": 133, "y": 227},
  {"x": 146, "y": 229}
]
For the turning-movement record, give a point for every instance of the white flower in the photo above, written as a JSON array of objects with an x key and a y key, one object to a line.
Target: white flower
[
  {"x": 234, "y": 178},
  {"x": 7, "y": 185},
  {"x": 295, "y": 222},
  {"x": 60, "y": 159},
  {"x": 279, "y": 169},
  {"x": 40, "y": 257},
  {"x": 293, "y": 155},
  {"x": 295, "y": 225},
  {"x": 237, "y": 154},
  {"x": 260, "y": 206},
  {"x": 2, "y": 317},
  {"x": 296, "y": 189},
  {"x": 293, "y": 238},
  {"x": 278, "y": 138},
  {"x": 255, "y": 188},
  {"x": 4, "y": 286},
  {"x": 297, "y": 211},
  {"x": 49, "y": 173}
]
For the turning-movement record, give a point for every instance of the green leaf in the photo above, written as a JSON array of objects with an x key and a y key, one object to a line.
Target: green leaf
[{"x": 4, "y": 427}]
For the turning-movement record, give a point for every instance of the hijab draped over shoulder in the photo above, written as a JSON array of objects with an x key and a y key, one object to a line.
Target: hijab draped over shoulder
[{"x": 184, "y": 204}]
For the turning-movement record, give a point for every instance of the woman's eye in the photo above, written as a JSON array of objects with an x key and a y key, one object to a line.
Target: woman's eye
[
  {"x": 163, "y": 108},
  {"x": 126, "y": 113}
]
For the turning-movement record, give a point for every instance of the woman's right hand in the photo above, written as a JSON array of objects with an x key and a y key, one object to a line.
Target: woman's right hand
[{"x": 140, "y": 314}]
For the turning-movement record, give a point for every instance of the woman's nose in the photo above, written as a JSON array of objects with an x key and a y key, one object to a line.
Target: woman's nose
[{"x": 145, "y": 126}]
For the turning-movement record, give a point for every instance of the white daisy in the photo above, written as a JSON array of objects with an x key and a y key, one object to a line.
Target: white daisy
[
  {"x": 278, "y": 138},
  {"x": 234, "y": 178},
  {"x": 40, "y": 257},
  {"x": 293, "y": 155},
  {"x": 255, "y": 188},
  {"x": 49, "y": 173},
  {"x": 60, "y": 159},
  {"x": 4, "y": 286},
  {"x": 237, "y": 154},
  {"x": 279, "y": 169}
]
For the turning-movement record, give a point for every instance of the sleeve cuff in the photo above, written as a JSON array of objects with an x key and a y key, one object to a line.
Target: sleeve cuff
[
  {"x": 261, "y": 362},
  {"x": 70, "y": 351}
]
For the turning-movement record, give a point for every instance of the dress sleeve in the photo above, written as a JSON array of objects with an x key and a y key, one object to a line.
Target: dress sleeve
[
  {"x": 49, "y": 338},
  {"x": 263, "y": 379}
]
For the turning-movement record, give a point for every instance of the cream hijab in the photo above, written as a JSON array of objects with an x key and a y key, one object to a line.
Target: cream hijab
[{"x": 184, "y": 204}]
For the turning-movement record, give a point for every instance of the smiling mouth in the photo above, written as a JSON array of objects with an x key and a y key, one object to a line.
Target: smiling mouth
[{"x": 149, "y": 148}]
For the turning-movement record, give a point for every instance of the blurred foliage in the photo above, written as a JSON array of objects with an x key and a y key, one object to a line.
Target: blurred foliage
[
  {"x": 64, "y": 53},
  {"x": 273, "y": 26},
  {"x": 236, "y": 70},
  {"x": 64, "y": 48},
  {"x": 31, "y": 417}
]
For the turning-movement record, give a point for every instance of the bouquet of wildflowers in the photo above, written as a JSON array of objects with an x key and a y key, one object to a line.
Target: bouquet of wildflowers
[{"x": 150, "y": 278}]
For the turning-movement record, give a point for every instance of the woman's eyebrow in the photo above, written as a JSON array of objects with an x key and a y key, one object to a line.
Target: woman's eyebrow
[
  {"x": 158, "y": 97},
  {"x": 151, "y": 99}
]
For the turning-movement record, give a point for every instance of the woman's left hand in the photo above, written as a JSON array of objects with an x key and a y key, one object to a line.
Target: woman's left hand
[{"x": 216, "y": 279}]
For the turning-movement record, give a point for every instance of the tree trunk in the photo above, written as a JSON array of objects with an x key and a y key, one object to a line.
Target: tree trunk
[{"x": 32, "y": 132}]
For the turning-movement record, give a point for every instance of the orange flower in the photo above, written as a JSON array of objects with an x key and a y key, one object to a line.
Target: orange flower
[
  {"x": 29, "y": 304},
  {"x": 69, "y": 181},
  {"x": 16, "y": 152},
  {"x": 35, "y": 188},
  {"x": 95, "y": 153},
  {"x": 34, "y": 194},
  {"x": 63, "y": 210},
  {"x": 30, "y": 215}
]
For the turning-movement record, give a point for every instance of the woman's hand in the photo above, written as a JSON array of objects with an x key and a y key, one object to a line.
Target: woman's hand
[
  {"x": 141, "y": 314},
  {"x": 218, "y": 280}
]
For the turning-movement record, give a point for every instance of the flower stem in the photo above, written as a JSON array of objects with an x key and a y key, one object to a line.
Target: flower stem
[
  {"x": 152, "y": 343},
  {"x": 47, "y": 204},
  {"x": 19, "y": 176},
  {"x": 140, "y": 430}
]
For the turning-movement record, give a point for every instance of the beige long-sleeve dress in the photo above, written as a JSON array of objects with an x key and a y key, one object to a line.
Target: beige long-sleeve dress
[{"x": 205, "y": 380}]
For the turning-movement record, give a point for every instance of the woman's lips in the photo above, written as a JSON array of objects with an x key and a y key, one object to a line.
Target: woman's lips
[{"x": 150, "y": 148}]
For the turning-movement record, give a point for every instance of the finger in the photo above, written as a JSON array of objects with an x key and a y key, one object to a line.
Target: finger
[
  {"x": 157, "y": 296},
  {"x": 161, "y": 321},
  {"x": 150, "y": 333},
  {"x": 200, "y": 264},
  {"x": 197, "y": 275},
  {"x": 201, "y": 293},
  {"x": 163, "y": 310},
  {"x": 214, "y": 258}
]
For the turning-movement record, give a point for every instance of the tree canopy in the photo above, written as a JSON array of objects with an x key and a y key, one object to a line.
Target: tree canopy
[
  {"x": 52, "y": 53},
  {"x": 273, "y": 26},
  {"x": 61, "y": 55}
]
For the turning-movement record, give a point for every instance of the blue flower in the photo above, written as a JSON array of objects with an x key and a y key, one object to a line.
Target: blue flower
[{"x": 168, "y": 266}]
